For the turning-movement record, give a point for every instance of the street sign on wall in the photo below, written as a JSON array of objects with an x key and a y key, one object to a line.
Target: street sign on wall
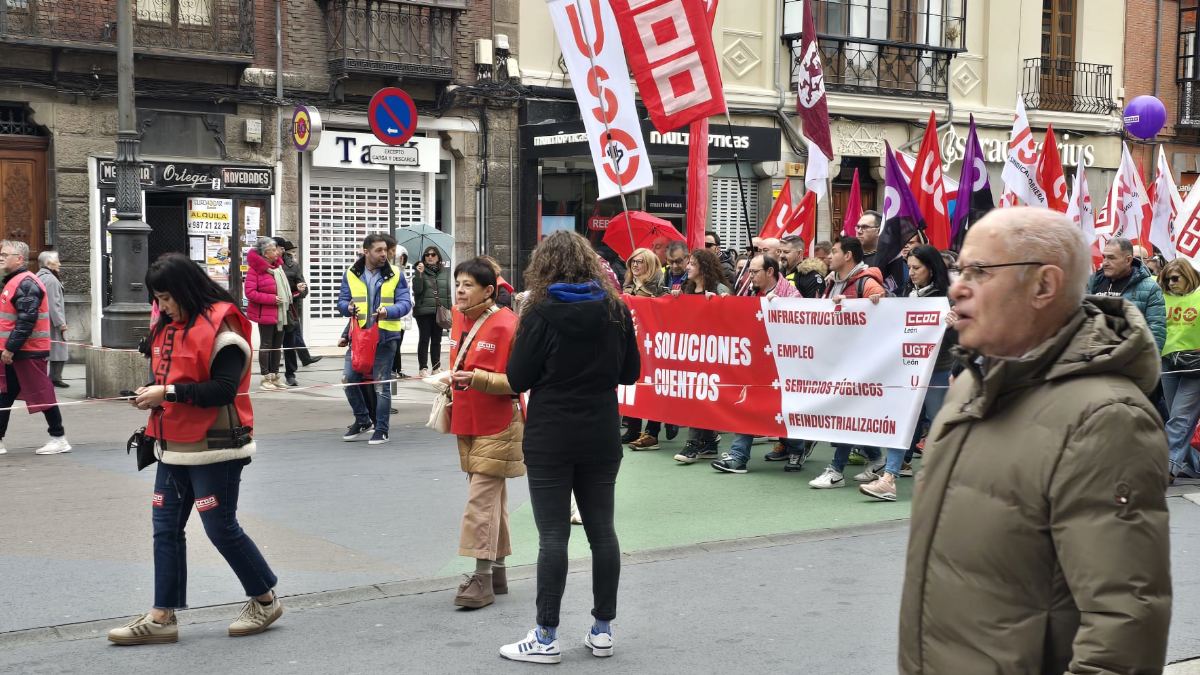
[
  {"x": 393, "y": 155},
  {"x": 306, "y": 128},
  {"x": 392, "y": 116}
]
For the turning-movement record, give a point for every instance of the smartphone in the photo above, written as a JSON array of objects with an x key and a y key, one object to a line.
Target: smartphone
[{"x": 126, "y": 393}]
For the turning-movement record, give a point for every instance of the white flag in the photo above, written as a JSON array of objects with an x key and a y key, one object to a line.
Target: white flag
[
  {"x": 816, "y": 173},
  {"x": 1123, "y": 208},
  {"x": 1079, "y": 207},
  {"x": 1187, "y": 228},
  {"x": 1167, "y": 205},
  {"x": 1020, "y": 166}
]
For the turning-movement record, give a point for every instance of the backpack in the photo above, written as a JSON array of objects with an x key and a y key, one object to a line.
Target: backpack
[{"x": 862, "y": 283}]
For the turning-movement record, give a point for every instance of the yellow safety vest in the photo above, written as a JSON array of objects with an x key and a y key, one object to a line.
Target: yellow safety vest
[
  {"x": 1183, "y": 327},
  {"x": 387, "y": 298}
]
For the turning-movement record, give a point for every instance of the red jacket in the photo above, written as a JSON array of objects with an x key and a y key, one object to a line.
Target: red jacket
[
  {"x": 185, "y": 356},
  {"x": 262, "y": 301},
  {"x": 24, "y": 326},
  {"x": 872, "y": 284},
  {"x": 476, "y": 413}
]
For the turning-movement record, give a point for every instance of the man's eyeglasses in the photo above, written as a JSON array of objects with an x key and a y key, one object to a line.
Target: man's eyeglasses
[
  {"x": 978, "y": 273},
  {"x": 868, "y": 227},
  {"x": 754, "y": 271},
  {"x": 710, "y": 244}
]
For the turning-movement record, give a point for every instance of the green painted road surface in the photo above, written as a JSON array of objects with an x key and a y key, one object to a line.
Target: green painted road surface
[{"x": 661, "y": 503}]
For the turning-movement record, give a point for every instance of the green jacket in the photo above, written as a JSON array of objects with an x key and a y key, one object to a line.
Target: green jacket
[
  {"x": 1039, "y": 537},
  {"x": 1143, "y": 291},
  {"x": 424, "y": 303}
]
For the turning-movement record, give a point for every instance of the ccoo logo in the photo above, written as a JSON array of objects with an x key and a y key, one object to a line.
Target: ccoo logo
[{"x": 921, "y": 319}]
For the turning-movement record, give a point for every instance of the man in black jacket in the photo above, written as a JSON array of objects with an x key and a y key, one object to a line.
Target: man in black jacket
[
  {"x": 25, "y": 332},
  {"x": 293, "y": 340}
]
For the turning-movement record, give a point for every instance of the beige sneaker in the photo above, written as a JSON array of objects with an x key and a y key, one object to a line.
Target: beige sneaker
[
  {"x": 882, "y": 488},
  {"x": 255, "y": 617},
  {"x": 268, "y": 383},
  {"x": 145, "y": 631}
]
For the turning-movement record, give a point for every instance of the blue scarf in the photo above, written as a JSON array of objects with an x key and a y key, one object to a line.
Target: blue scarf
[{"x": 589, "y": 292}]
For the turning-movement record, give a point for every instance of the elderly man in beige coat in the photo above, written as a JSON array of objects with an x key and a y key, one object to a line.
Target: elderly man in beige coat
[{"x": 1039, "y": 538}]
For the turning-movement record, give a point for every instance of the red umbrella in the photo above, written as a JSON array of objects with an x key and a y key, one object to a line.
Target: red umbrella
[{"x": 642, "y": 230}]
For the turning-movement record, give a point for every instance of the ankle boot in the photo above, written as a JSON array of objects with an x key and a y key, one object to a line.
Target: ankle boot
[
  {"x": 475, "y": 592},
  {"x": 499, "y": 579}
]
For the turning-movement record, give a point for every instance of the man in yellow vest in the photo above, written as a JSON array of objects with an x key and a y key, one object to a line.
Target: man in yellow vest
[
  {"x": 374, "y": 292},
  {"x": 25, "y": 336}
]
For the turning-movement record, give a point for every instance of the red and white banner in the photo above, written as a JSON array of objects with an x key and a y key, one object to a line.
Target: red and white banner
[
  {"x": 788, "y": 367},
  {"x": 1124, "y": 209},
  {"x": 812, "y": 105},
  {"x": 804, "y": 222},
  {"x": 1020, "y": 166},
  {"x": 587, "y": 34},
  {"x": 781, "y": 214},
  {"x": 669, "y": 45},
  {"x": 1079, "y": 207},
  {"x": 1187, "y": 228},
  {"x": 929, "y": 189},
  {"x": 1050, "y": 173},
  {"x": 1167, "y": 205}
]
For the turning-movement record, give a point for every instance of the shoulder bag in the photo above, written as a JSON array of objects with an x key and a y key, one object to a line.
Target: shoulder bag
[
  {"x": 439, "y": 416},
  {"x": 443, "y": 316}
]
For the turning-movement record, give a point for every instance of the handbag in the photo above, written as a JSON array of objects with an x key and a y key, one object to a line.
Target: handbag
[
  {"x": 442, "y": 315},
  {"x": 144, "y": 445},
  {"x": 1187, "y": 360},
  {"x": 439, "y": 415},
  {"x": 363, "y": 343}
]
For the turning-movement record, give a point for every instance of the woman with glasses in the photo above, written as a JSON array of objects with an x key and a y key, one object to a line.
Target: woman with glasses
[
  {"x": 1181, "y": 364},
  {"x": 927, "y": 278},
  {"x": 644, "y": 279},
  {"x": 431, "y": 290}
]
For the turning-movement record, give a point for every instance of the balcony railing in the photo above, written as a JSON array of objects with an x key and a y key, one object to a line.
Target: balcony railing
[
  {"x": 220, "y": 30},
  {"x": 1068, "y": 86},
  {"x": 390, "y": 38},
  {"x": 880, "y": 67}
]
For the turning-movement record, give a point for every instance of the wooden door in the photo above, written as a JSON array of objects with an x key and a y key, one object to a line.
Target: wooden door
[
  {"x": 23, "y": 191},
  {"x": 1058, "y": 55}
]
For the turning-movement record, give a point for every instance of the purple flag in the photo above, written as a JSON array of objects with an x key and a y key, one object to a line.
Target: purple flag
[
  {"x": 974, "y": 191},
  {"x": 901, "y": 216}
]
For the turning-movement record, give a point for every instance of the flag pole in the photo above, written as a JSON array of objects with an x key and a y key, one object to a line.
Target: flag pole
[
  {"x": 607, "y": 132},
  {"x": 737, "y": 165}
]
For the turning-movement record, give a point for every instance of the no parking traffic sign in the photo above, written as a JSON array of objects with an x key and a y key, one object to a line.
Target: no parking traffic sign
[{"x": 392, "y": 115}]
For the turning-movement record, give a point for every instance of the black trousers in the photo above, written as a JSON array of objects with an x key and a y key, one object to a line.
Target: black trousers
[
  {"x": 594, "y": 485},
  {"x": 270, "y": 339},
  {"x": 429, "y": 341}
]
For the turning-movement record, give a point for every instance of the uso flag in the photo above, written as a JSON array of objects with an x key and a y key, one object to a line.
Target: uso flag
[{"x": 670, "y": 50}]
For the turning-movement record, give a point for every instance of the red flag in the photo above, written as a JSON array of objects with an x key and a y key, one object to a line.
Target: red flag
[
  {"x": 671, "y": 55},
  {"x": 781, "y": 214},
  {"x": 929, "y": 190},
  {"x": 1050, "y": 173},
  {"x": 854, "y": 209},
  {"x": 811, "y": 102},
  {"x": 803, "y": 222},
  {"x": 697, "y": 184}
]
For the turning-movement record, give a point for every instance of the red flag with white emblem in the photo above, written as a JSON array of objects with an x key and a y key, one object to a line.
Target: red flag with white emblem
[
  {"x": 671, "y": 55},
  {"x": 811, "y": 102},
  {"x": 927, "y": 187},
  {"x": 1050, "y": 173},
  {"x": 781, "y": 214}
]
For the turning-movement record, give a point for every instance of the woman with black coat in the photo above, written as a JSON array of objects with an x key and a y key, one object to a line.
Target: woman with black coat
[{"x": 575, "y": 344}]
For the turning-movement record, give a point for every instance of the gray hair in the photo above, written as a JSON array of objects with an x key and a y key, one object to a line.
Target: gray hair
[
  {"x": 1050, "y": 237},
  {"x": 1124, "y": 244},
  {"x": 677, "y": 246},
  {"x": 45, "y": 257},
  {"x": 18, "y": 247},
  {"x": 263, "y": 244}
]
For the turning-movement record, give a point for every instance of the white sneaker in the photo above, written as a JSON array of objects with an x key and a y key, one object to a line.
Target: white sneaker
[
  {"x": 873, "y": 472},
  {"x": 56, "y": 445},
  {"x": 2, "y": 448},
  {"x": 424, "y": 373},
  {"x": 268, "y": 385},
  {"x": 576, "y": 519},
  {"x": 532, "y": 650},
  {"x": 828, "y": 479},
  {"x": 601, "y": 644}
]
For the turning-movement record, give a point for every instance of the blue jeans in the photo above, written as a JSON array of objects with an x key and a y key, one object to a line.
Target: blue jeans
[
  {"x": 385, "y": 353},
  {"x": 841, "y": 455},
  {"x": 741, "y": 446},
  {"x": 935, "y": 396},
  {"x": 213, "y": 488},
  {"x": 1183, "y": 400}
]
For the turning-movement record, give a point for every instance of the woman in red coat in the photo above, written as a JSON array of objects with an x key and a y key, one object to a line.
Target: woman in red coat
[
  {"x": 269, "y": 297},
  {"x": 489, "y": 427}
]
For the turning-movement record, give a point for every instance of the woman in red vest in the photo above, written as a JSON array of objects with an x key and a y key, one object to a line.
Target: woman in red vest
[
  {"x": 201, "y": 421},
  {"x": 489, "y": 427}
]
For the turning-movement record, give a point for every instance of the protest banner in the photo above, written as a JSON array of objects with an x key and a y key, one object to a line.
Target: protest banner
[{"x": 786, "y": 367}]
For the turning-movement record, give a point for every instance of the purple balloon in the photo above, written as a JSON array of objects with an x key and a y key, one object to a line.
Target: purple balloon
[{"x": 1145, "y": 116}]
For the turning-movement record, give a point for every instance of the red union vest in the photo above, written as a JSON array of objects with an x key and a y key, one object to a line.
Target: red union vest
[
  {"x": 180, "y": 357},
  {"x": 39, "y": 339}
]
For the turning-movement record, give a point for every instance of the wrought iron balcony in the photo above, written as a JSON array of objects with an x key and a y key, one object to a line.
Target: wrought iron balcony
[
  {"x": 1068, "y": 86},
  {"x": 217, "y": 30},
  {"x": 880, "y": 67},
  {"x": 389, "y": 38}
]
